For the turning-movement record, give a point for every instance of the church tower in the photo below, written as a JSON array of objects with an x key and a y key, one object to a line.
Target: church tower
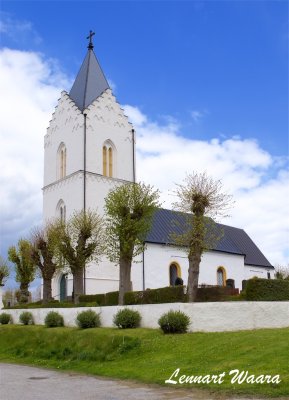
[{"x": 88, "y": 150}]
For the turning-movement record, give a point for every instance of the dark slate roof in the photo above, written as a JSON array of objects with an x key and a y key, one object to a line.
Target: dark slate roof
[
  {"x": 234, "y": 240},
  {"x": 90, "y": 82}
]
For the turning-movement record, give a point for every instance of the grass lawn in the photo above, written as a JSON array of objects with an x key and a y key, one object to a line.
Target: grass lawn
[{"x": 150, "y": 356}]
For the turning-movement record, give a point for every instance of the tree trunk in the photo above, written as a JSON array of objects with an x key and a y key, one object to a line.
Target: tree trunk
[
  {"x": 47, "y": 292},
  {"x": 24, "y": 293},
  {"x": 78, "y": 284},
  {"x": 193, "y": 278},
  {"x": 124, "y": 279}
]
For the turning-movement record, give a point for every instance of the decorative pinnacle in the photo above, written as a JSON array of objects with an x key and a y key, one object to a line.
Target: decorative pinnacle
[{"x": 90, "y": 44}]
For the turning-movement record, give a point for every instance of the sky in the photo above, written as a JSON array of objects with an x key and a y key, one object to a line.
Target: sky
[{"x": 205, "y": 84}]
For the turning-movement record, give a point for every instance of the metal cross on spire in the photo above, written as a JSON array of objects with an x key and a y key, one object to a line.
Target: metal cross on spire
[{"x": 90, "y": 44}]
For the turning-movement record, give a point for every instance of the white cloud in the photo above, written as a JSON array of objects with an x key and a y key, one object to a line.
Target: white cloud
[
  {"x": 197, "y": 115},
  {"x": 19, "y": 31},
  {"x": 30, "y": 87},
  {"x": 246, "y": 170}
]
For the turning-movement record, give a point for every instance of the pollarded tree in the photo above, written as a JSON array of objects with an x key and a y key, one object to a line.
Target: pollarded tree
[
  {"x": 4, "y": 271},
  {"x": 43, "y": 242},
  {"x": 129, "y": 210},
  {"x": 78, "y": 242},
  {"x": 203, "y": 200},
  {"x": 24, "y": 266}
]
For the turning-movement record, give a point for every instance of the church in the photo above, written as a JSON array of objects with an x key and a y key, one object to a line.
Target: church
[{"x": 89, "y": 149}]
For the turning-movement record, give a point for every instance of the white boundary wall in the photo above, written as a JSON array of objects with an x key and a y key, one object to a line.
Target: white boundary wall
[{"x": 205, "y": 317}]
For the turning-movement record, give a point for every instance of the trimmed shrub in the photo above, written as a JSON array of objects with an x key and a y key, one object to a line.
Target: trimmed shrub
[
  {"x": 5, "y": 319},
  {"x": 111, "y": 298},
  {"x": 26, "y": 318},
  {"x": 170, "y": 294},
  {"x": 127, "y": 318},
  {"x": 174, "y": 322},
  {"x": 98, "y": 299},
  {"x": 53, "y": 319},
  {"x": 88, "y": 319},
  {"x": 215, "y": 293},
  {"x": 267, "y": 290}
]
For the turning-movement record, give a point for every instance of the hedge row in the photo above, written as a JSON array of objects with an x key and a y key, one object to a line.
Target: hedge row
[
  {"x": 104, "y": 299},
  {"x": 170, "y": 294},
  {"x": 267, "y": 290}
]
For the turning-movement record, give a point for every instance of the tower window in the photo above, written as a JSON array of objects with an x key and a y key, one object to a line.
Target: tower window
[
  {"x": 61, "y": 211},
  {"x": 108, "y": 153},
  {"x": 61, "y": 155}
]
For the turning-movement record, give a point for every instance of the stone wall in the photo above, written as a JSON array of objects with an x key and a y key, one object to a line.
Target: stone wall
[{"x": 205, "y": 317}]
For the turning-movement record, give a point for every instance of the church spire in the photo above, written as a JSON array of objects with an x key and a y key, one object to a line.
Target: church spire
[{"x": 90, "y": 81}]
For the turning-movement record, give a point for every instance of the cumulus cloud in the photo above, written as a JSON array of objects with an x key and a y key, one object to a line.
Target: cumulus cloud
[
  {"x": 258, "y": 181},
  {"x": 30, "y": 87}
]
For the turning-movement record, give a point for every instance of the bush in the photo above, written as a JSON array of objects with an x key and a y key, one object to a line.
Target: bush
[
  {"x": 53, "y": 319},
  {"x": 267, "y": 290},
  {"x": 26, "y": 318},
  {"x": 5, "y": 319},
  {"x": 170, "y": 294},
  {"x": 98, "y": 299},
  {"x": 215, "y": 293},
  {"x": 88, "y": 319},
  {"x": 127, "y": 318},
  {"x": 174, "y": 322},
  {"x": 111, "y": 298}
]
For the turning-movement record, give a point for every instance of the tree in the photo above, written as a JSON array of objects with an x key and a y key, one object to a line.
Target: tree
[
  {"x": 4, "y": 271},
  {"x": 43, "y": 242},
  {"x": 24, "y": 266},
  {"x": 129, "y": 210},
  {"x": 282, "y": 272},
  {"x": 202, "y": 199},
  {"x": 78, "y": 242}
]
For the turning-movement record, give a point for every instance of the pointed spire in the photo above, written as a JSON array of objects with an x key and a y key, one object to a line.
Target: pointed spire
[{"x": 90, "y": 82}]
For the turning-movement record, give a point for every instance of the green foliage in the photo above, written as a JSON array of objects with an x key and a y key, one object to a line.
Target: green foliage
[
  {"x": 129, "y": 209},
  {"x": 127, "y": 318},
  {"x": 88, "y": 319},
  {"x": 4, "y": 271},
  {"x": 24, "y": 266},
  {"x": 5, "y": 319},
  {"x": 99, "y": 299},
  {"x": 26, "y": 318},
  {"x": 170, "y": 294},
  {"x": 53, "y": 319},
  {"x": 215, "y": 293},
  {"x": 111, "y": 298},
  {"x": 267, "y": 290},
  {"x": 174, "y": 322},
  {"x": 43, "y": 253},
  {"x": 80, "y": 240}
]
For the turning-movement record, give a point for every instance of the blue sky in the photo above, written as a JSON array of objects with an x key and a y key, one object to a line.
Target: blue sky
[{"x": 208, "y": 75}]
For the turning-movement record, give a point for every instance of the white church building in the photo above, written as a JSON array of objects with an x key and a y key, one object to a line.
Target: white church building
[{"x": 89, "y": 149}]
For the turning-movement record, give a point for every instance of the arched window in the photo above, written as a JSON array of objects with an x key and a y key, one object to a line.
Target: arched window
[
  {"x": 108, "y": 159},
  {"x": 175, "y": 272},
  {"x": 61, "y": 162},
  {"x": 221, "y": 276},
  {"x": 61, "y": 210}
]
